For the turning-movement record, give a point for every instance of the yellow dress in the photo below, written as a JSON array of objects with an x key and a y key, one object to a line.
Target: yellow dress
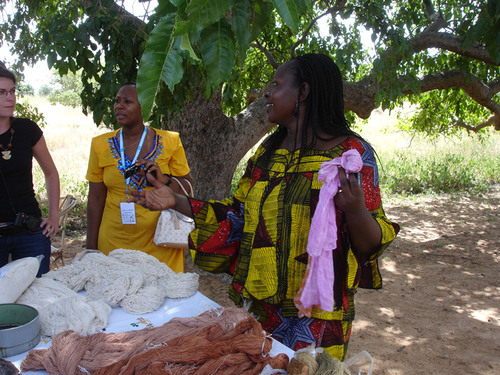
[{"x": 105, "y": 166}]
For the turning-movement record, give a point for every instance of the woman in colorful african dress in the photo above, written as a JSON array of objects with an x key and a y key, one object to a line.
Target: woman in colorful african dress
[
  {"x": 111, "y": 224},
  {"x": 260, "y": 235}
]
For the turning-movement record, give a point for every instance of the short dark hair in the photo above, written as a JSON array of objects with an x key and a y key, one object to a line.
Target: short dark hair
[{"x": 6, "y": 73}]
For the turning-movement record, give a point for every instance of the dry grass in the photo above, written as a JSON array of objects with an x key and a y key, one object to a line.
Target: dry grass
[{"x": 68, "y": 134}]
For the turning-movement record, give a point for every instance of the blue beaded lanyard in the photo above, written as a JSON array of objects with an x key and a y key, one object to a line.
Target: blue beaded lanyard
[{"x": 122, "y": 151}]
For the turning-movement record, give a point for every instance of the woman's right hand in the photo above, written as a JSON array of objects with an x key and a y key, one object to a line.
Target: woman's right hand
[
  {"x": 158, "y": 199},
  {"x": 150, "y": 166}
]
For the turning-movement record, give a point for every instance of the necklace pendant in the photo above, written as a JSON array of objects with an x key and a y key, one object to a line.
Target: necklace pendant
[{"x": 6, "y": 155}]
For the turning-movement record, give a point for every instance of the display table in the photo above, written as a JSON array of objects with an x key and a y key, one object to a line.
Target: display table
[{"x": 120, "y": 321}]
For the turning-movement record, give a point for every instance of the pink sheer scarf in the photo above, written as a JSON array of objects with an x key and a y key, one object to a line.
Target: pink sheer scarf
[{"x": 317, "y": 285}]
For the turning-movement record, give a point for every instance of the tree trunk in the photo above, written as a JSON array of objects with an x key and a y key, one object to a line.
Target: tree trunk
[{"x": 215, "y": 143}]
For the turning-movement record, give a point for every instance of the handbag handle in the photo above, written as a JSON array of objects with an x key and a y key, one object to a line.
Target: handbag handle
[
  {"x": 176, "y": 219},
  {"x": 182, "y": 187}
]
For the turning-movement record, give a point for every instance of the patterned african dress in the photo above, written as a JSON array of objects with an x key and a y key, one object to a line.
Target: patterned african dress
[{"x": 260, "y": 238}]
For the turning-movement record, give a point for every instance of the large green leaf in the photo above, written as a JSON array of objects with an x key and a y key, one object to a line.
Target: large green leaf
[
  {"x": 302, "y": 6},
  {"x": 218, "y": 52},
  {"x": 288, "y": 12},
  {"x": 202, "y": 13},
  {"x": 186, "y": 46},
  {"x": 262, "y": 11},
  {"x": 240, "y": 21},
  {"x": 162, "y": 59}
]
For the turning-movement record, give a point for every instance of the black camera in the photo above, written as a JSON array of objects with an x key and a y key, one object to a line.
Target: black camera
[
  {"x": 130, "y": 171},
  {"x": 26, "y": 221},
  {"x": 134, "y": 169}
]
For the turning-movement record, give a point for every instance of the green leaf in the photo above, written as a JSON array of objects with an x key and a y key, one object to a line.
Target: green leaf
[
  {"x": 168, "y": 6},
  {"x": 261, "y": 15},
  {"x": 240, "y": 21},
  {"x": 186, "y": 46},
  {"x": 492, "y": 39},
  {"x": 51, "y": 59},
  {"x": 288, "y": 12},
  {"x": 62, "y": 51},
  {"x": 162, "y": 59},
  {"x": 202, "y": 13},
  {"x": 72, "y": 65},
  {"x": 218, "y": 52},
  {"x": 302, "y": 6},
  {"x": 476, "y": 32},
  {"x": 174, "y": 2}
]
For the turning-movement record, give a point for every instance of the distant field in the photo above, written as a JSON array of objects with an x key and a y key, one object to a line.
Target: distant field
[{"x": 68, "y": 134}]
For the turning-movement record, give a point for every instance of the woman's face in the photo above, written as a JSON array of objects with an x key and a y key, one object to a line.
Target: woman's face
[
  {"x": 127, "y": 107},
  {"x": 7, "y": 103},
  {"x": 282, "y": 98}
]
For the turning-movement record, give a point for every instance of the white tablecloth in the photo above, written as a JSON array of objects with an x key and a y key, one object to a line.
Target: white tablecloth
[{"x": 120, "y": 321}]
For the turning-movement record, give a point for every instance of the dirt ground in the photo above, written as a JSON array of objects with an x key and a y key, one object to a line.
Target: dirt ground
[{"x": 439, "y": 309}]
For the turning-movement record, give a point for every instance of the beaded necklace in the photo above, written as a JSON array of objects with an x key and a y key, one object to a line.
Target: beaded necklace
[{"x": 6, "y": 152}]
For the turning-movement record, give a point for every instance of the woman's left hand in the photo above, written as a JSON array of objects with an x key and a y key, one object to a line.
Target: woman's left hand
[
  {"x": 364, "y": 230},
  {"x": 50, "y": 226},
  {"x": 350, "y": 197}
]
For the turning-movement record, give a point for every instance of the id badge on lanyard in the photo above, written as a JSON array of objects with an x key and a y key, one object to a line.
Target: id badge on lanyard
[{"x": 127, "y": 209}]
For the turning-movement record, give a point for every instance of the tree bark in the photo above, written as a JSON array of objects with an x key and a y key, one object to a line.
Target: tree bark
[{"x": 215, "y": 143}]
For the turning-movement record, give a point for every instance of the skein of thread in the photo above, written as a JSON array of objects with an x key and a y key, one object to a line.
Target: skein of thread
[
  {"x": 330, "y": 366},
  {"x": 309, "y": 360}
]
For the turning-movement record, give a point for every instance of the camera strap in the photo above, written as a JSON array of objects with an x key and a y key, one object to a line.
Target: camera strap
[{"x": 139, "y": 147}]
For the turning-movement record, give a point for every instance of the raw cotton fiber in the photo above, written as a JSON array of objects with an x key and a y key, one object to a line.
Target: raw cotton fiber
[
  {"x": 132, "y": 279},
  {"x": 61, "y": 308},
  {"x": 218, "y": 341},
  {"x": 16, "y": 277}
]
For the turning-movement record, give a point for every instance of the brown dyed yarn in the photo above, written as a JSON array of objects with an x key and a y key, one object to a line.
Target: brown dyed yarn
[
  {"x": 236, "y": 352},
  {"x": 210, "y": 343}
]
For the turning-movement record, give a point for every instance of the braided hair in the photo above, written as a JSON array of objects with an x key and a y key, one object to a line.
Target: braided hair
[{"x": 324, "y": 107}]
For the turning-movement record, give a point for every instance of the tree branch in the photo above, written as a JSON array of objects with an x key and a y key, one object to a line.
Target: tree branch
[
  {"x": 492, "y": 121},
  {"x": 451, "y": 43},
  {"x": 480, "y": 92},
  {"x": 313, "y": 22},
  {"x": 123, "y": 13},
  {"x": 437, "y": 19},
  {"x": 359, "y": 97},
  {"x": 270, "y": 57}
]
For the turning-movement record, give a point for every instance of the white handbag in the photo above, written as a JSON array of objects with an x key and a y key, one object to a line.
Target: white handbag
[{"x": 173, "y": 228}]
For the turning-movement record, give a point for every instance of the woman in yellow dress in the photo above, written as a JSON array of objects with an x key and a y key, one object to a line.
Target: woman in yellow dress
[{"x": 111, "y": 222}]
